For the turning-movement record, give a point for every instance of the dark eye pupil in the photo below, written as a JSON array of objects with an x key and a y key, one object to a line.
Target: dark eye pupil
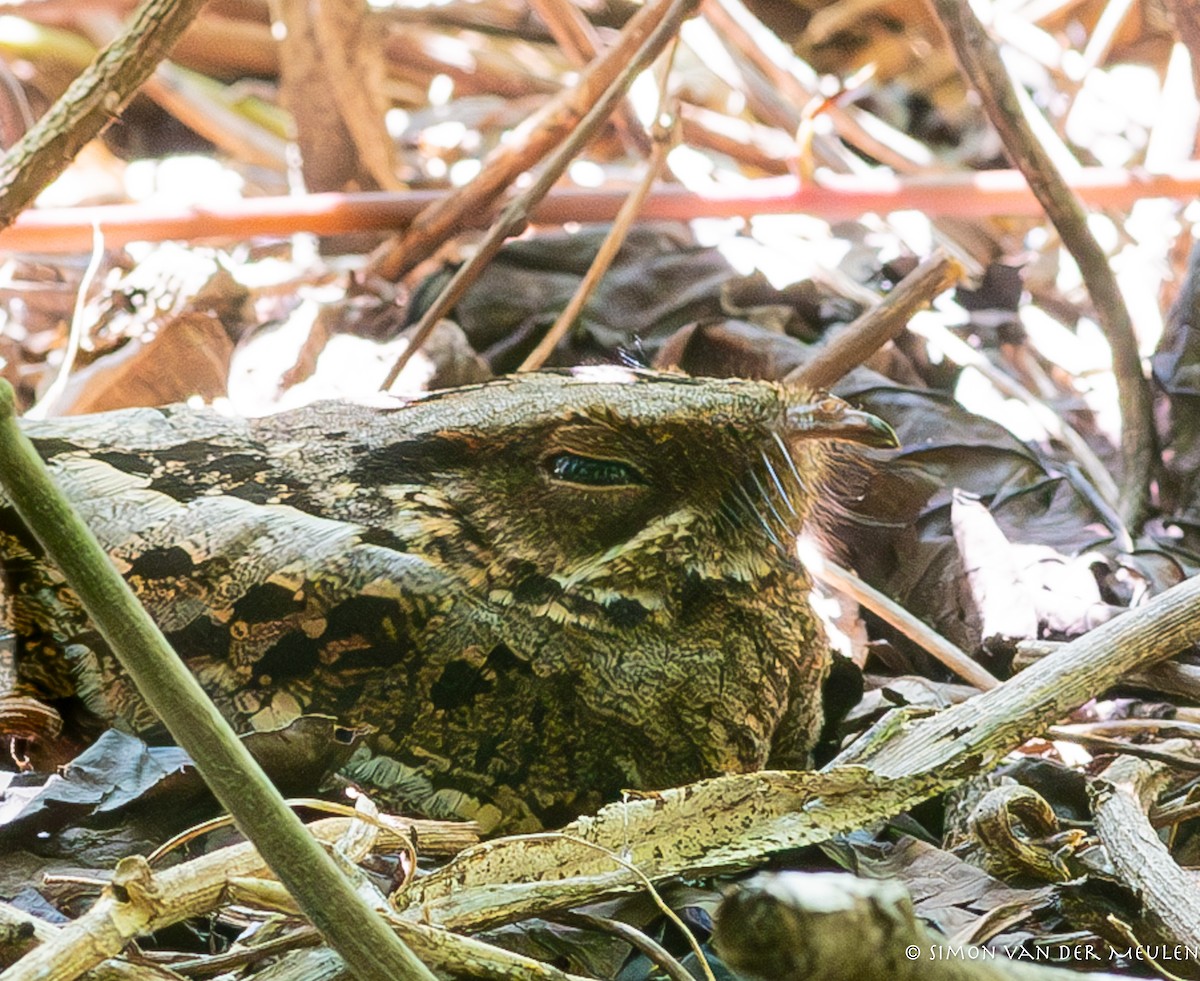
[{"x": 595, "y": 473}]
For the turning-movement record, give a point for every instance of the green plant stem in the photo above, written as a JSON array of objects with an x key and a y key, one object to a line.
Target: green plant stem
[{"x": 347, "y": 921}]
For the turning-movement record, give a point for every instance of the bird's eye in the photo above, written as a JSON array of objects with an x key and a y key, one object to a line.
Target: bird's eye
[{"x": 592, "y": 472}]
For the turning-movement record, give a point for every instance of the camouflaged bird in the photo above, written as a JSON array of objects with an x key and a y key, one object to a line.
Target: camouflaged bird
[{"x": 536, "y": 591}]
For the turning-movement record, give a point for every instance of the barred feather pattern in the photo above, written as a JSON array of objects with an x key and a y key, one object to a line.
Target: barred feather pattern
[{"x": 519, "y": 646}]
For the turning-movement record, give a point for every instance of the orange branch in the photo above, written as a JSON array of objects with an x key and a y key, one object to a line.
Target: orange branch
[{"x": 963, "y": 195}]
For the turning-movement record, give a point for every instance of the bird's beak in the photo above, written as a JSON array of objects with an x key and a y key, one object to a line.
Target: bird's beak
[{"x": 828, "y": 417}]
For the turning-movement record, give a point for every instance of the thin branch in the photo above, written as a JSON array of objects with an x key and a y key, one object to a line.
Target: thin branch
[
  {"x": 857, "y": 341},
  {"x": 91, "y": 102},
  {"x": 580, "y": 42},
  {"x": 982, "y": 67},
  {"x": 450, "y": 213},
  {"x": 664, "y": 140},
  {"x": 957, "y": 660},
  {"x": 1103, "y": 35},
  {"x": 793, "y": 86},
  {"x": 655, "y": 952},
  {"x": 515, "y": 216}
]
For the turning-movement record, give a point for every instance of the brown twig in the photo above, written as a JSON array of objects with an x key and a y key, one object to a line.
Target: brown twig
[
  {"x": 664, "y": 140},
  {"x": 1097, "y": 745},
  {"x": 754, "y": 145},
  {"x": 578, "y": 39},
  {"x": 515, "y": 216},
  {"x": 981, "y": 64},
  {"x": 453, "y": 212},
  {"x": 1098, "y": 478},
  {"x": 417, "y": 54},
  {"x": 957, "y": 660},
  {"x": 332, "y": 77},
  {"x": 570, "y": 29},
  {"x": 858, "y": 340},
  {"x": 91, "y": 102},
  {"x": 788, "y": 95},
  {"x": 205, "y": 107},
  {"x": 775, "y": 95}
]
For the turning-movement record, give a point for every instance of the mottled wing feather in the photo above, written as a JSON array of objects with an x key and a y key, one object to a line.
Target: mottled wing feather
[{"x": 262, "y": 597}]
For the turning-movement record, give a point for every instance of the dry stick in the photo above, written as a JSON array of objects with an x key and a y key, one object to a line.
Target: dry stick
[
  {"x": 962, "y": 354},
  {"x": 432, "y": 837},
  {"x": 858, "y": 340},
  {"x": 202, "y": 104},
  {"x": 452, "y": 213},
  {"x": 981, "y": 64},
  {"x": 1014, "y": 30},
  {"x": 469, "y": 957},
  {"x": 953, "y": 657},
  {"x": 191, "y": 889},
  {"x": 1120, "y": 798},
  {"x": 755, "y": 145},
  {"x": 574, "y": 34},
  {"x": 655, "y": 952},
  {"x": 209, "y": 108},
  {"x": 515, "y": 215},
  {"x": 664, "y": 140},
  {"x": 453, "y": 955},
  {"x": 1167, "y": 815},
  {"x": 332, "y": 78},
  {"x": 1097, "y": 745},
  {"x": 736, "y": 24},
  {"x": 91, "y": 102},
  {"x": 1044, "y": 693},
  {"x": 773, "y": 93},
  {"x": 1180, "y": 682},
  {"x": 838, "y": 17},
  {"x": 416, "y": 55},
  {"x": 789, "y": 97},
  {"x": 207, "y": 965},
  {"x": 349, "y": 924},
  {"x": 578, "y": 39}
]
